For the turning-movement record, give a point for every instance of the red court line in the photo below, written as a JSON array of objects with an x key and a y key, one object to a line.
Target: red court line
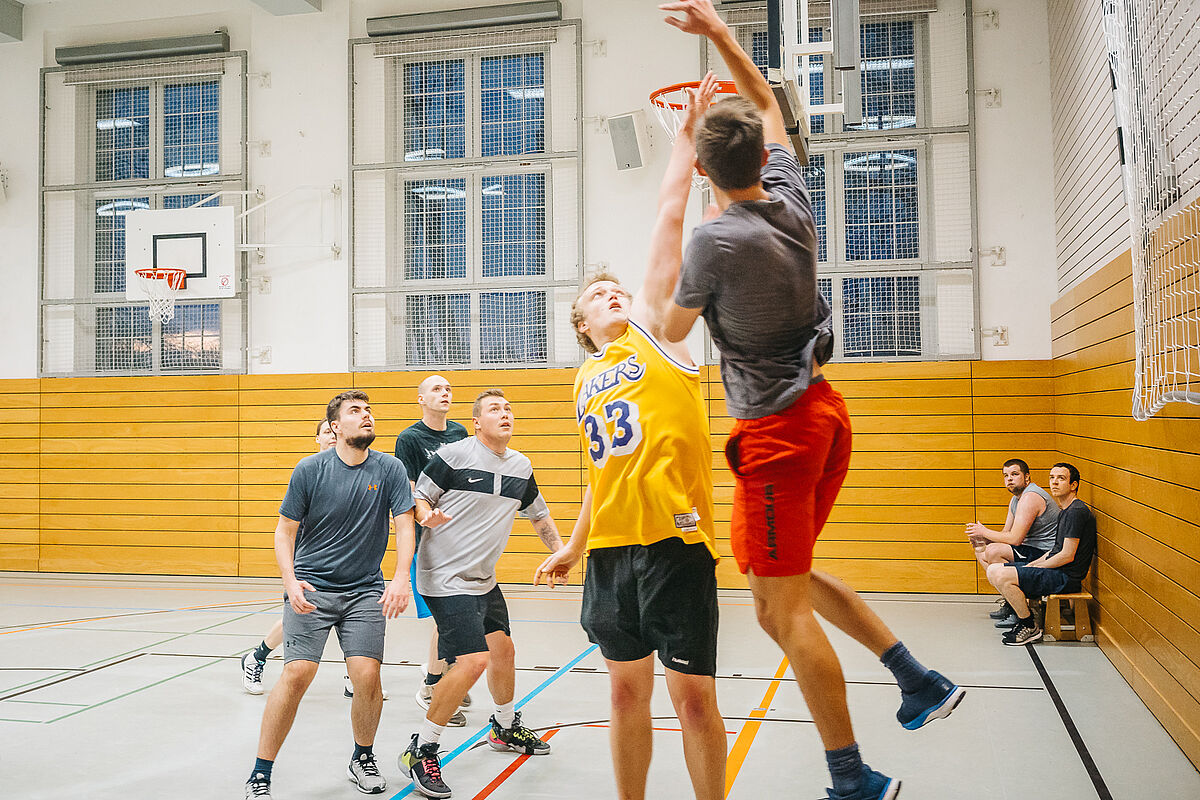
[
  {"x": 741, "y": 745},
  {"x": 673, "y": 730},
  {"x": 503, "y": 776}
]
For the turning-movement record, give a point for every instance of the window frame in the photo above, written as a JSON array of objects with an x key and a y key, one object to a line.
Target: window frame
[
  {"x": 156, "y": 186},
  {"x": 554, "y": 165}
]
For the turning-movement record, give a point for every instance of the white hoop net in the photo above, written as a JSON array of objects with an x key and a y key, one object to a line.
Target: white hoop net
[
  {"x": 161, "y": 286},
  {"x": 670, "y": 105},
  {"x": 1154, "y": 54}
]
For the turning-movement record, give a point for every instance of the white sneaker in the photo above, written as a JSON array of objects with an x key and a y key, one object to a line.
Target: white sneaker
[
  {"x": 365, "y": 774},
  {"x": 424, "y": 697},
  {"x": 258, "y": 788},
  {"x": 348, "y": 691},
  {"x": 252, "y": 670}
]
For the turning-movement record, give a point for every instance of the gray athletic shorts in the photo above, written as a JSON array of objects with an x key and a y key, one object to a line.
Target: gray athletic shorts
[{"x": 357, "y": 616}]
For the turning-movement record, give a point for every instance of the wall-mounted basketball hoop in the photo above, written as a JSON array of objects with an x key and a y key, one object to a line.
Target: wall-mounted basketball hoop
[{"x": 161, "y": 285}]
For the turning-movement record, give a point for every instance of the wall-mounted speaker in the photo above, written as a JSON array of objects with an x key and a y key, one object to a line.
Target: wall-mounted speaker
[{"x": 628, "y": 134}]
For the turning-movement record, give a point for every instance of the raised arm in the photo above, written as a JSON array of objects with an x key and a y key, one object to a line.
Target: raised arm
[
  {"x": 652, "y": 305},
  {"x": 701, "y": 18}
]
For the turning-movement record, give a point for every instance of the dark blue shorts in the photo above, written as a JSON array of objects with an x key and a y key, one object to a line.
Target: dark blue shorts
[
  {"x": 1039, "y": 581},
  {"x": 1024, "y": 553}
]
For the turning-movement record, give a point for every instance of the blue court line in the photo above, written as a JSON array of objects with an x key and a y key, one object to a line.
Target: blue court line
[{"x": 479, "y": 734}]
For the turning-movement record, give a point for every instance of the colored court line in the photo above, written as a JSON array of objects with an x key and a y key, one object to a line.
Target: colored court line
[
  {"x": 510, "y": 769},
  {"x": 741, "y": 745},
  {"x": 141, "y": 613},
  {"x": 479, "y": 734},
  {"x": 132, "y": 691},
  {"x": 139, "y": 651}
]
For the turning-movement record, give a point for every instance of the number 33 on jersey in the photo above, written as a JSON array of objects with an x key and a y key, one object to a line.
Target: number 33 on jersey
[{"x": 644, "y": 428}]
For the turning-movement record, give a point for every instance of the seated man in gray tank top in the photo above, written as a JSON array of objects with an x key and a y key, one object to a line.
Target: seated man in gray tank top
[{"x": 1028, "y": 532}]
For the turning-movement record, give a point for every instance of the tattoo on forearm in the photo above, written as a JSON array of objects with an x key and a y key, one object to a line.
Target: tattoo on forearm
[{"x": 547, "y": 532}]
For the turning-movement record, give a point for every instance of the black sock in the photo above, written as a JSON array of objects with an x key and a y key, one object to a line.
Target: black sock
[
  {"x": 1025, "y": 622},
  {"x": 361, "y": 749},
  {"x": 262, "y": 767},
  {"x": 431, "y": 679},
  {"x": 262, "y": 651}
]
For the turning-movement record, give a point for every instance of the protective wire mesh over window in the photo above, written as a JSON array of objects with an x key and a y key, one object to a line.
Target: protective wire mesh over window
[
  {"x": 892, "y": 196},
  {"x": 466, "y": 198},
  {"x": 882, "y": 222},
  {"x": 881, "y": 316},
  {"x": 1154, "y": 55},
  {"x": 888, "y": 75},
  {"x": 117, "y": 140}
]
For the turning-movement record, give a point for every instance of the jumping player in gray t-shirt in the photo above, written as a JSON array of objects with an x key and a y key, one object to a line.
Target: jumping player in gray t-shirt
[
  {"x": 466, "y": 497},
  {"x": 751, "y": 272},
  {"x": 332, "y": 579}
]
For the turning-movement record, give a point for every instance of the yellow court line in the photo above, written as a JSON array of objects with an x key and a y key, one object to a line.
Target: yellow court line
[{"x": 741, "y": 745}]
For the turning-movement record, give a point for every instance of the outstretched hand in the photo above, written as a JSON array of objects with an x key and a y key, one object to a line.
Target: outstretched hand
[
  {"x": 699, "y": 16},
  {"x": 698, "y": 101}
]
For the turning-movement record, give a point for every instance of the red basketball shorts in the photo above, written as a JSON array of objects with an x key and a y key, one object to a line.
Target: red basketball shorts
[{"x": 788, "y": 468}]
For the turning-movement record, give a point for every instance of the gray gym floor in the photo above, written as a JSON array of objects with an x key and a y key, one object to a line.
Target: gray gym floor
[{"x": 113, "y": 687}]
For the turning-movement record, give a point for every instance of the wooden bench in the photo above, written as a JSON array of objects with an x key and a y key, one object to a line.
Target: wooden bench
[{"x": 1081, "y": 631}]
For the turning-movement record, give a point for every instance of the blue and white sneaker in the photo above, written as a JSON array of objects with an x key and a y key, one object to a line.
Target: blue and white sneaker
[
  {"x": 936, "y": 699},
  {"x": 875, "y": 786},
  {"x": 1008, "y": 622}
]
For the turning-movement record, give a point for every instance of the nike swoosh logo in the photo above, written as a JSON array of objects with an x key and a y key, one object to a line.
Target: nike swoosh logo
[{"x": 474, "y": 480}]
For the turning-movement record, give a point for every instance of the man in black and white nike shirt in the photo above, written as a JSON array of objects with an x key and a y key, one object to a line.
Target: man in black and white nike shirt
[{"x": 466, "y": 497}]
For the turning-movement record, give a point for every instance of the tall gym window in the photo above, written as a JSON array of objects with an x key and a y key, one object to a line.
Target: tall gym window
[
  {"x": 892, "y": 196},
  {"x": 467, "y": 211},
  {"x": 120, "y": 138}
]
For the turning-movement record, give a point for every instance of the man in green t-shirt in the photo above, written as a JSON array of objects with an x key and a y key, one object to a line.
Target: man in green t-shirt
[{"x": 414, "y": 447}]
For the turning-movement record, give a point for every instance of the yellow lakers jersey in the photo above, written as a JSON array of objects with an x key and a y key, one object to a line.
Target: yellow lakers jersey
[{"x": 645, "y": 439}]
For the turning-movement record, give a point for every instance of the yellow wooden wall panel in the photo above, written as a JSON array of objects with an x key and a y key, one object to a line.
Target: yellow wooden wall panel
[
  {"x": 1141, "y": 479},
  {"x": 20, "y": 557},
  {"x": 139, "y": 560}
]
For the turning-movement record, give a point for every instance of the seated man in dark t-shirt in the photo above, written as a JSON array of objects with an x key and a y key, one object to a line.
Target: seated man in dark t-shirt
[{"x": 1060, "y": 571}]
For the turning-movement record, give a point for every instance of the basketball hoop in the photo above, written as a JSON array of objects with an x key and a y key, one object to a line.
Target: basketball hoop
[
  {"x": 670, "y": 105},
  {"x": 161, "y": 285}
]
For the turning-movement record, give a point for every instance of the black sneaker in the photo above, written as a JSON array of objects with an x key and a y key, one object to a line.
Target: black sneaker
[
  {"x": 1002, "y": 611},
  {"x": 936, "y": 699},
  {"x": 1023, "y": 634},
  {"x": 517, "y": 738},
  {"x": 258, "y": 787},
  {"x": 425, "y": 769},
  {"x": 365, "y": 774}
]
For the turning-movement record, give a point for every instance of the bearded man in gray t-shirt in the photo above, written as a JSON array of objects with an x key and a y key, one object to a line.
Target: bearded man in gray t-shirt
[
  {"x": 332, "y": 580},
  {"x": 751, "y": 271}
]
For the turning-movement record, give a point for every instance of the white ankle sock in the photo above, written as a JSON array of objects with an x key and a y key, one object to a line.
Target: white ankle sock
[
  {"x": 504, "y": 715},
  {"x": 430, "y": 733}
]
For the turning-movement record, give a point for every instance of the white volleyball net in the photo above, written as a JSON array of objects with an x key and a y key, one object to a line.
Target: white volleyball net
[{"x": 1154, "y": 54}]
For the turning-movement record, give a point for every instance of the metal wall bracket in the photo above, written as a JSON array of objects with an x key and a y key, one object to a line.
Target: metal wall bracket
[
  {"x": 999, "y": 333},
  {"x": 998, "y": 255},
  {"x": 991, "y": 97},
  {"x": 990, "y": 17}
]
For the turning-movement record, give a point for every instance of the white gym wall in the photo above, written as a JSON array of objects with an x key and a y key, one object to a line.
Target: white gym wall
[{"x": 303, "y": 115}]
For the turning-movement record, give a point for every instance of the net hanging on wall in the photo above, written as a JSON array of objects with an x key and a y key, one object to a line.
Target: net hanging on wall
[{"x": 1154, "y": 55}]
